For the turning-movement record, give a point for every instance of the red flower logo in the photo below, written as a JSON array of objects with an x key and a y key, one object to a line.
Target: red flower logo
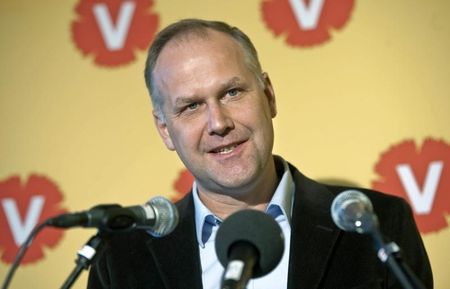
[
  {"x": 183, "y": 184},
  {"x": 306, "y": 22},
  {"x": 111, "y": 29},
  {"x": 22, "y": 207},
  {"x": 421, "y": 176}
]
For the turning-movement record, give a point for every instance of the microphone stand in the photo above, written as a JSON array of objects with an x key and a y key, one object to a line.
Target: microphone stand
[
  {"x": 389, "y": 254},
  {"x": 84, "y": 259},
  {"x": 114, "y": 220}
]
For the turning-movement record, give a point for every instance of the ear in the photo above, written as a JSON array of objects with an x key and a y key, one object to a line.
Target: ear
[
  {"x": 270, "y": 94},
  {"x": 163, "y": 131}
]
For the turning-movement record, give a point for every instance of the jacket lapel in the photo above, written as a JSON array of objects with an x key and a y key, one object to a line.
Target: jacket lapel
[
  {"x": 177, "y": 255},
  {"x": 314, "y": 234},
  {"x": 313, "y": 240}
]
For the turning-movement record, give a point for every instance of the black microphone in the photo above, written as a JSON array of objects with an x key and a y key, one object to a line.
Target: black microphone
[
  {"x": 249, "y": 244},
  {"x": 158, "y": 216},
  {"x": 352, "y": 211}
]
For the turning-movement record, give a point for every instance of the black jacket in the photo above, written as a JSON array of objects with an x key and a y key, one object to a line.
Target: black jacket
[{"x": 321, "y": 255}]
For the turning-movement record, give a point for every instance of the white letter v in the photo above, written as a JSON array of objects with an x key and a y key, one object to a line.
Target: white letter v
[
  {"x": 19, "y": 229},
  {"x": 422, "y": 200},
  {"x": 307, "y": 17},
  {"x": 114, "y": 37}
]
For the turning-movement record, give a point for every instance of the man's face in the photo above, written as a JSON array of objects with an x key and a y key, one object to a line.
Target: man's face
[{"x": 217, "y": 117}]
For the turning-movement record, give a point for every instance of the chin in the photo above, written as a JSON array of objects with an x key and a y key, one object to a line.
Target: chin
[{"x": 241, "y": 183}]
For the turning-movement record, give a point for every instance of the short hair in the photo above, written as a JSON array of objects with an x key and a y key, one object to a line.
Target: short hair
[{"x": 199, "y": 28}]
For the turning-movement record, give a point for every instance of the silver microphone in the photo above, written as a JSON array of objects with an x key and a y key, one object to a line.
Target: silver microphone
[
  {"x": 352, "y": 211},
  {"x": 158, "y": 216},
  {"x": 166, "y": 217}
]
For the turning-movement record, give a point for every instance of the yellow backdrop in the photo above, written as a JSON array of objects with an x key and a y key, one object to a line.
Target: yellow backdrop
[{"x": 383, "y": 78}]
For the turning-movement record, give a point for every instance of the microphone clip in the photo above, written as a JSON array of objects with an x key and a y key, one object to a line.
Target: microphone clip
[
  {"x": 390, "y": 249},
  {"x": 118, "y": 219}
]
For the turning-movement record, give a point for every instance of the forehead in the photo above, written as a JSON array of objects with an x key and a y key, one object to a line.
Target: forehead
[
  {"x": 201, "y": 40},
  {"x": 193, "y": 53}
]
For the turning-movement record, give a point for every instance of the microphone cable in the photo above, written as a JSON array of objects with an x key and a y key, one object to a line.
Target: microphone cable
[{"x": 22, "y": 250}]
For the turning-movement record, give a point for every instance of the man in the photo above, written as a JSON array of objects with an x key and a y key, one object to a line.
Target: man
[{"x": 214, "y": 106}]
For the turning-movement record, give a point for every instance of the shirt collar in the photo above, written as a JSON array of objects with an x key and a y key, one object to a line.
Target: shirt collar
[
  {"x": 202, "y": 214},
  {"x": 284, "y": 194},
  {"x": 282, "y": 199}
]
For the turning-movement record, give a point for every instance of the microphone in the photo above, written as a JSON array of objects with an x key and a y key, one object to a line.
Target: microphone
[
  {"x": 249, "y": 244},
  {"x": 352, "y": 211},
  {"x": 158, "y": 216}
]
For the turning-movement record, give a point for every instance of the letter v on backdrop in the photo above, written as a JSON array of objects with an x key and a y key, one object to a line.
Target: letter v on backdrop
[
  {"x": 110, "y": 31},
  {"x": 23, "y": 205},
  {"x": 420, "y": 175},
  {"x": 306, "y": 23}
]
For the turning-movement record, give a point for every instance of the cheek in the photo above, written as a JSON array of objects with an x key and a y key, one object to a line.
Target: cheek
[
  {"x": 257, "y": 117},
  {"x": 186, "y": 136}
]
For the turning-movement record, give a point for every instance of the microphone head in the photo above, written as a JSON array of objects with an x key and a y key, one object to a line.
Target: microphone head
[
  {"x": 352, "y": 211},
  {"x": 166, "y": 216},
  {"x": 256, "y": 228}
]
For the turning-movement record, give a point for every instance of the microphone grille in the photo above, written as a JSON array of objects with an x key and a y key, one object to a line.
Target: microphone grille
[
  {"x": 352, "y": 211},
  {"x": 256, "y": 228},
  {"x": 166, "y": 216}
]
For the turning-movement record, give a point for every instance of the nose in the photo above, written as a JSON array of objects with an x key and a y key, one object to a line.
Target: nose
[{"x": 219, "y": 120}]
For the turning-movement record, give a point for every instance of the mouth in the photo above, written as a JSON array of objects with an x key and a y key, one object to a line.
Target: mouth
[{"x": 224, "y": 150}]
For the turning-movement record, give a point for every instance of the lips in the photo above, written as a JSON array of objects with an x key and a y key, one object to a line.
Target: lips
[{"x": 225, "y": 149}]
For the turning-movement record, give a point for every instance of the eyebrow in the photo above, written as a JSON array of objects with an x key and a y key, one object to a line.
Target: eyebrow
[{"x": 183, "y": 100}]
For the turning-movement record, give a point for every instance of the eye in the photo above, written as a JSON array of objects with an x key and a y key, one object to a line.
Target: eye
[
  {"x": 193, "y": 106},
  {"x": 233, "y": 92}
]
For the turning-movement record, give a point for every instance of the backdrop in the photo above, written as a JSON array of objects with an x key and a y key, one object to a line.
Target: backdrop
[{"x": 363, "y": 97}]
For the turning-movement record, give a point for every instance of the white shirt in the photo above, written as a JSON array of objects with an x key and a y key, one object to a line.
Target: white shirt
[{"x": 212, "y": 270}]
